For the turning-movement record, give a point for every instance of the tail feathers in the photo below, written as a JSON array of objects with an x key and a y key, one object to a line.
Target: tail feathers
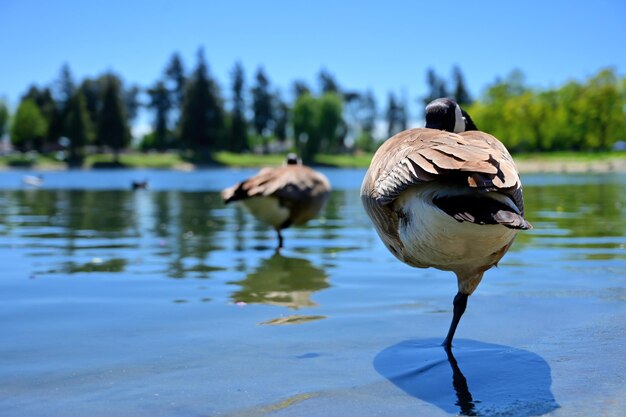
[
  {"x": 234, "y": 193},
  {"x": 481, "y": 210},
  {"x": 512, "y": 220}
]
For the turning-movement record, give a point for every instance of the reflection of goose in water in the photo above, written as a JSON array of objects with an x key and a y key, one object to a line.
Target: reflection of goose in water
[
  {"x": 33, "y": 180},
  {"x": 288, "y": 195},
  {"x": 282, "y": 281},
  {"x": 478, "y": 379}
]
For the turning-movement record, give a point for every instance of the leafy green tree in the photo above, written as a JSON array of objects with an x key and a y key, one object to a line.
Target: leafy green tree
[
  {"x": 305, "y": 127},
  {"x": 575, "y": 116},
  {"x": 79, "y": 129},
  {"x": 239, "y": 125},
  {"x": 262, "y": 101},
  {"x": 29, "y": 126},
  {"x": 202, "y": 118},
  {"x": 604, "y": 111},
  {"x": 330, "y": 122},
  {"x": 113, "y": 130},
  {"x": 160, "y": 102},
  {"x": 460, "y": 93},
  {"x": 50, "y": 111}
]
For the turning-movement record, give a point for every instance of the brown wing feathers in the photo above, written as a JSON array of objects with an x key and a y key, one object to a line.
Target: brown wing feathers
[
  {"x": 474, "y": 159},
  {"x": 289, "y": 182}
]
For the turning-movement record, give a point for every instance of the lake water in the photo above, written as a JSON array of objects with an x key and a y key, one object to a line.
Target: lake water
[{"x": 164, "y": 302}]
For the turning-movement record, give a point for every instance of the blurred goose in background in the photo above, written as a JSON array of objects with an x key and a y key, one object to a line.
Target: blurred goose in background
[
  {"x": 33, "y": 180},
  {"x": 283, "y": 196},
  {"x": 446, "y": 196},
  {"x": 139, "y": 185}
]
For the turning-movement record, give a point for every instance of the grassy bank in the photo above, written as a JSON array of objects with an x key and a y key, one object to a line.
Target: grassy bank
[{"x": 535, "y": 162}]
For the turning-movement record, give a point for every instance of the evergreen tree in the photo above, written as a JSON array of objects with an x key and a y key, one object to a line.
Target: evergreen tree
[
  {"x": 4, "y": 118},
  {"x": 328, "y": 84},
  {"x": 239, "y": 125},
  {"x": 461, "y": 95},
  {"x": 65, "y": 87},
  {"x": 396, "y": 116},
  {"x": 160, "y": 102},
  {"x": 263, "y": 119},
  {"x": 79, "y": 128},
  {"x": 367, "y": 122},
  {"x": 368, "y": 119},
  {"x": 436, "y": 86},
  {"x": 202, "y": 118},
  {"x": 92, "y": 90},
  {"x": 281, "y": 115},
  {"x": 175, "y": 73},
  {"x": 29, "y": 126},
  {"x": 131, "y": 101},
  {"x": 299, "y": 88},
  {"x": 113, "y": 128}
]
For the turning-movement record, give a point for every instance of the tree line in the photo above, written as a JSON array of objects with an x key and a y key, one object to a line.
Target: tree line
[{"x": 190, "y": 114}]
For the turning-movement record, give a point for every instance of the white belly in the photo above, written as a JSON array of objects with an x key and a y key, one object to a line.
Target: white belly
[
  {"x": 431, "y": 238},
  {"x": 267, "y": 210}
]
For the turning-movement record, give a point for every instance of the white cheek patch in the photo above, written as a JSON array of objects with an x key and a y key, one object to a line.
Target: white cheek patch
[{"x": 459, "y": 120}]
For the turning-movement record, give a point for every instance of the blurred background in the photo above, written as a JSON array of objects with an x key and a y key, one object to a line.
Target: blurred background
[{"x": 160, "y": 83}]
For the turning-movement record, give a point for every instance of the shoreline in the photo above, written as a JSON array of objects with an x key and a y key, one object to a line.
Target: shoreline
[{"x": 525, "y": 165}]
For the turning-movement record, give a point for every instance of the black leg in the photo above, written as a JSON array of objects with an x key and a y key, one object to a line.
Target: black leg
[
  {"x": 460, "y": 303},
  {"x": 280, "y": 239}
]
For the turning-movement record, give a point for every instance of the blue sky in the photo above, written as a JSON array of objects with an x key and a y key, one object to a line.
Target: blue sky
[{"x": 382, "y": 45}]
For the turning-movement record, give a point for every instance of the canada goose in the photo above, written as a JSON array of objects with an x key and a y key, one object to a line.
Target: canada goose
[
  {"x": 139, "y": 185},
  {"x": 282, "y": 196},
  {"x": 446, "y": 196}
]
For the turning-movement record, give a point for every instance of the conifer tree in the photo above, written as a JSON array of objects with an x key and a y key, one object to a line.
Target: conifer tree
[
  {"x": 239, "y": 126},
  {"x": 113, "y": 128}
]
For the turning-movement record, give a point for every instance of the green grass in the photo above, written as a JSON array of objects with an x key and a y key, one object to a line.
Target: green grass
[
  {"x": 30, "y": 161},
  {"x": 138, "y": 160},
  {"x": 345, "y": 161},
  {"x": 248, "y": 160},
  {"x": 254, "y": 160}
]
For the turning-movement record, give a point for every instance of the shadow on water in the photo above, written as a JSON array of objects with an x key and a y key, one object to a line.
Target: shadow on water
[{"x": 474, "y": 379}]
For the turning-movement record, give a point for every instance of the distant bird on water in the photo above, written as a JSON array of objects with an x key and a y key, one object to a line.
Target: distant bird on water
[
  {"x": 33, "y": 180},
  {"x": 139, "y": 185},
  {"x": 291, "y": 194},
  {"x": 446, "y": 196}
]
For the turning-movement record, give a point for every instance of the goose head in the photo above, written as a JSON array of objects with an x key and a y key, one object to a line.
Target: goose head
[
  {"x": 446, "y": 114},
  {"x": 292, "y": 159}
]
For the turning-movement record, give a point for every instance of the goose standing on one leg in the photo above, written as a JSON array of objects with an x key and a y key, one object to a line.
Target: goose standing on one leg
[
  {"x": 288, "y": 195},
  {"x": 446, "y": 196}
]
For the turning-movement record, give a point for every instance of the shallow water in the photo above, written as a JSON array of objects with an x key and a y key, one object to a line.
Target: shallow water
[{"x": 163, "y": 302}]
